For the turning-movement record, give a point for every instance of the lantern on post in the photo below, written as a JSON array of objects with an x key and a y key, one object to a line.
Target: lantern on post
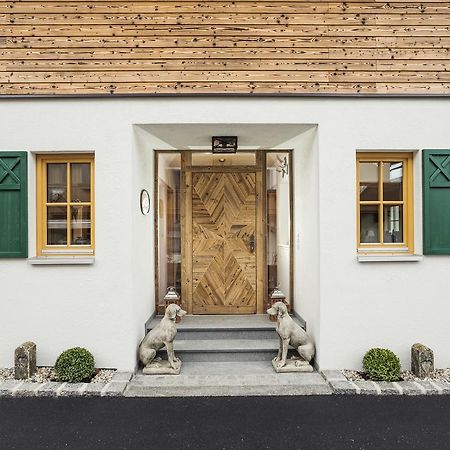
[
  {"x": 172, "y": 296},
  {"x": 276, "y": 296}
]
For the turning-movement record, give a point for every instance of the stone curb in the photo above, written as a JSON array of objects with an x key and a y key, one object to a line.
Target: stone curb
[
  {"x": 341, "y": 385},
  {"x": 122, "y": 376},
  {"x": 114, "y": 388},
  {"x": 8, "y": 387},
  {"x": 17, "y": 388},
  {"x": 120, "y": 381}
]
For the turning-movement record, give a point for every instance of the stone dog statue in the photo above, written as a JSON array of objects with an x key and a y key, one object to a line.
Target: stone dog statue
[
  {"x": 291, "y": 333},
  {"x": 162, "y": 335}
]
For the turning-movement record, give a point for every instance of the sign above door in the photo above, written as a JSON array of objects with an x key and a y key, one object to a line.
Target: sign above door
[{"x": 224, "y": 144}]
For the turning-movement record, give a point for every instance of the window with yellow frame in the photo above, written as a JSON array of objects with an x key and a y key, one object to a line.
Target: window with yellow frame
[
  {"x": 65, "y": 204},
  {"x": 385, "y": 202}
]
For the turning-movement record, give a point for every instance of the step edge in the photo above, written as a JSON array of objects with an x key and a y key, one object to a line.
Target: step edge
[{"x": 231, "y": 328}]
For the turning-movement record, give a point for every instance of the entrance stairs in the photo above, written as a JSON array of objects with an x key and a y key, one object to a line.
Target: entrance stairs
[
  {"x": 225, "y": 355},
  {"x": 224, "y": 338}
]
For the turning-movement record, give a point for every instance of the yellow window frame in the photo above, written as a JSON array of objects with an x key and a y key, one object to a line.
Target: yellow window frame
[
  {"x": 407, "y": 202},
  {"x": 42, "y": 249}
]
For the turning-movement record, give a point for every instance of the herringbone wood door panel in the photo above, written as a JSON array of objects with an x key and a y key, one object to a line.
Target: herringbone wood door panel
[{"x": 223, "y": 250}]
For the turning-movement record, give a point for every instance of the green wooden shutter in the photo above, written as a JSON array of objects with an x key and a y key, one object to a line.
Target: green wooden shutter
[
  {"x": 13, "y": 205},
  {"x": 436, "y": 202}
]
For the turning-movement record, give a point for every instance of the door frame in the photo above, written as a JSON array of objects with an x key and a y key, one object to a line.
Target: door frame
[{"x": 186, "y": 225}]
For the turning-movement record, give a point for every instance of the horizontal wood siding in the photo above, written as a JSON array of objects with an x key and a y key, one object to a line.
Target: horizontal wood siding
[{"x": 247, "y": 46}]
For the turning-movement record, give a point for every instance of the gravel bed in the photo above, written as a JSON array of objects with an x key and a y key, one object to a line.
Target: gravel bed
[
  {"x": 438, "y": 375},
  {"x": 405, "y": 375},
  {"x": 6, "y": 374},
  {"x": 103, "y": 376},
  {"x": 45, "y": 374}
]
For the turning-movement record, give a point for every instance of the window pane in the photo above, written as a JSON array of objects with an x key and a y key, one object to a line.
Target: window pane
[
  {"x": 368, "y": 181},
  {"x": 392, "y": 181},
  {"x": 393, "y": 224},
  {"x": 224, "y": 159},
  {"x": 80, "y": 182},
  {"x": 278, "y": 222},
  {"x": 56, "y": 182},
  {"x": 369, "y": 224},
  {"x": 169, "y": 222},
  {"x": 56, "y": 225},
  {"x": 80, "y": 223}
]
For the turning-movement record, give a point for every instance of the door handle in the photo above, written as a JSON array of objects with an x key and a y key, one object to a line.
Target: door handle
[{"x": 251, "y": 243}]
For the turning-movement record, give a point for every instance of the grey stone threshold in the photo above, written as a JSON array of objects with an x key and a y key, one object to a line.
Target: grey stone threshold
[
  {"x": 340, "y": 385},
  {"x": 225, "y": 391},
  {"x": 230, "y": 378}
]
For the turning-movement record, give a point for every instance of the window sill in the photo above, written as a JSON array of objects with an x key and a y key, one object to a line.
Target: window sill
[
  {"x": 389, "y": 258},
  {"x": 61, "y": 261}
]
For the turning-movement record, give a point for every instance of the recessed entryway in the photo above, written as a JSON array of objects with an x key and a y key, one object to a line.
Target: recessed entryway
[{"x": 224, "y": 228}]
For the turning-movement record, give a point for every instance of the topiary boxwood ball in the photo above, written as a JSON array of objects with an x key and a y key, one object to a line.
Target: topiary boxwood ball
[
  {"x": 380, "y": 364},
  {"x": 75, "y": 365}
]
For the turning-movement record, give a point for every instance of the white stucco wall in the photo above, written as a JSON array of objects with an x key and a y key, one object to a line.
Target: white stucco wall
[
  {"x": 143, "y": 254},
  {"x": 377, "y": 304},
  {"x": 349, "y": 306},
  {"x": 64, "y": 306},
  {"x": 307, "y": 231}
]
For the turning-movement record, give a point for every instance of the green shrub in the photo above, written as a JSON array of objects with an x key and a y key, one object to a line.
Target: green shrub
[
  {"x": 380, "y": 364},
  {"x": 75, "y": 365}
]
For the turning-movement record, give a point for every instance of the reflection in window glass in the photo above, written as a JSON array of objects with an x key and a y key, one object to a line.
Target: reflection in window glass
[
  {"x": 369, "y": 223},
  {"x": 80, "y": 222},
  {"x": 80, "y": 180},
  {"x": 56, "y": 183},
  {"x": 392, "y": 181},
  {"x": 278, "y": 222},
  {"x": 393, "y": 227},
  {"x": 56, "y": 225},
  {"x": 368, "y": 181},
  {"x": 169, "y": 225}
]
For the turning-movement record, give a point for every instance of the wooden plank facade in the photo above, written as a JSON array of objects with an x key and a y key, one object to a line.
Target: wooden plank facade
[{"x": 205, "y": 47}]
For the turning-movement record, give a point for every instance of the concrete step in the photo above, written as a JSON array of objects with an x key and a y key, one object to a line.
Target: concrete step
[
  {"x": 224, "y": 349},
  {"x": 224, "y": 338},
  {"x": 224, "y": 327},
  {"x": 225, "y": 334},
  {"x": 227, "y": 378},
  {"x": 220, "y": 322}
]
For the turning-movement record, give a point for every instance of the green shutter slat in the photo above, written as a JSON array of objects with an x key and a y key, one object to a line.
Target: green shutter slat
[
  {"x": 436, "y": 202},
  {"x": 13, "y": 205}
]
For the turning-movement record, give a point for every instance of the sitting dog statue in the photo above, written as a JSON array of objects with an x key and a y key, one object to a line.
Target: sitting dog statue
[
  {"x": 291, "y": 333},
  {"x": 162, "y": 335}
]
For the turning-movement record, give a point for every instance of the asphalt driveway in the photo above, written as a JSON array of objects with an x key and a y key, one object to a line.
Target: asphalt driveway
[{"x": 303, "y": 422}]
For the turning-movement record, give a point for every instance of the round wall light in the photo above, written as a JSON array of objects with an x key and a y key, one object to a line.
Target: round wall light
[{"x": 145, "y": 202}]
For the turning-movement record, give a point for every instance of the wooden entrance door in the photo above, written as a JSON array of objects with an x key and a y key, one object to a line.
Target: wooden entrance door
[
  {"x": 223, "y": 237},
  {"x": 224, "y": 231}
]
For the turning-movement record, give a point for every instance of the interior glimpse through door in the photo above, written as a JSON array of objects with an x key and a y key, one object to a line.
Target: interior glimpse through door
[{"x": 278, "y": 236}]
